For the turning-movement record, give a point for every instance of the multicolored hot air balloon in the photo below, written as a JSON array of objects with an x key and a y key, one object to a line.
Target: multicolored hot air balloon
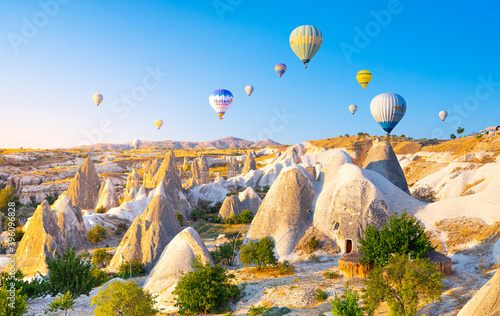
[
  {"x": 364, "y": 77},
  {"x": 249, "y": 89},
  {"x": 221, "y": 100},
  {"x": 136, "y": 143},
  {"x": 97, "y": 97},
  {"x": 388, "y": 109},
  {"x": 443, "y": 115},
  {"x": 158, "y": 123},
  {"x": 305, "y": 41},
  {"x": 353, "y": 108},
  {"x": 280, "y": 69}
]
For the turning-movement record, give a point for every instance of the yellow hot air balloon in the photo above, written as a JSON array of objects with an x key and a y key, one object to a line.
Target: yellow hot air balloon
[
  {"x": 364, "y": 77},
  {"x": 158, "y": 123},
  {"x": 305, "y": 41},
  {"x": 97, "y": 98}
]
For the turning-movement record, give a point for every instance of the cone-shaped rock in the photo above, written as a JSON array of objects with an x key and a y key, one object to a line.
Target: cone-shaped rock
[
  {"x": 155, "y": 165},
  {"x": 83, "y": 190},
  {"x": 132, "y": 187},
  {"x": 195, "y": 171},
  {"x": 248, "y": 163},
  {"x": 382, "y": 159},
  {"x": 284, "y": 213},
  {"x": 176, "y": 257},
  {"x": 107, "y": 195},
  {"x": 70, "y": 221},
  {"x": 250, "y": 200},
  {"x": 41, "y": 241},
  {"x": 486, "y": 301},
  {"x": 234, "y": 168},
  {"x": 169, "y": 165},
  {"x": 174, "y": 193},
  {"x": 231, "y": 206},
  {"x": 148, "y": 235}
]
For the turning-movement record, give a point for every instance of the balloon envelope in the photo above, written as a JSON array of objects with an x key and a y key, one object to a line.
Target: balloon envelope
[
  {"x": 97, "y": 97},
  {"x": 353, "y": 108},
  {"x": 136, "y": 143},
  {"x": 364, "y": 77},
  {"x": 158, "y": 123},
  {"x": 249, "y": 89},
  {"x": 443, "y": 115},
  {"x": 221, "y": 100},
  {"x": 388, "y": 109},
  {"x": 305, "y": 42},
  {"x": 280, "y": 69}
]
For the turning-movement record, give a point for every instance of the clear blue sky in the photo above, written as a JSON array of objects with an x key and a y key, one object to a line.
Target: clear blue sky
[{"x": 53, "y": 58}]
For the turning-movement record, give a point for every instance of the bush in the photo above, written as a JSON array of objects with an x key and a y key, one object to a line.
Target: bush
[
  {"x": 61, "y": 303},
  {"x": 137, "y": 268},
  {"x": 96, "y": 234},
  {"x": 101, "y": 210},
  {"x": 246, "y": 217},
  {"x": 12, "y": 305},
  {"x": 330, "y": 275},
  {"x": 180, "y": 218},
  {"x": 320, "y": 295},
  {"x": 425, "y": 194},
  {"x": 6, "y": 199},
  {"x": 401, "y": 235},
  {"x": 101, "y": 258},
  {"x": 313, "y": 243},
  {"x": 265, "y": 189},
  {"x": 99, "y": 276},
  {"x": 195, "y": 214},
  {"x": 259, "y": 253},
  {"x": 347, "y": 305},
  {"x": 235, "y": 219},
  {"x": 259, "y": 310},
  {"x": 123, "y": 298},
  {"x": 18, "y": 235},
  {"x": 313, "y": 258},
  {"x": 207, "y": 289},
  {"x": 121, "y": 228},
  {"x": 286, "y": 267},
  {"x": 37, "y": 287},
  {"x": 225, "y": 253}
]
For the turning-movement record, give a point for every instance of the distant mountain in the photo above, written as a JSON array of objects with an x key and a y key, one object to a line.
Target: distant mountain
[{"x": 227, "y": 142}]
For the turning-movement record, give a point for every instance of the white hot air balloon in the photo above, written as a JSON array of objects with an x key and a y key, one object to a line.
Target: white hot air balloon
[
  {"x": 136, "y": 143},
  {"x": 388, "y": 109},
  {"x": 443, "y": 115},
  {"x": 353, "y": 108},
  {"x": 158, "y": 123},
  {"x": 97, "y": 97},
  {"x": 249, "y": 89}
]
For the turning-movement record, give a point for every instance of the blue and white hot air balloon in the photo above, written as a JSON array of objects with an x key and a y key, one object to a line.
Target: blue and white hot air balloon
[
  {"x": 221, "y": 100},
  {"x": 353, "y": 108},
  {"x": 388, "y": 109}
]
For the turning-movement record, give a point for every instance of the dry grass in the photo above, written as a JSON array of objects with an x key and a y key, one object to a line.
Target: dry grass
[
  {"x": 468, "y": 144},
  {"x": 468, "y": 186},
  {"x": 420, "y": 169}
]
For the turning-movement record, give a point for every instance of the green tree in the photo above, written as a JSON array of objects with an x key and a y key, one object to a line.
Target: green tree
[
  {"x": 401, "y": 235},
  {"x": 36, "y": 287},
  {"x": 460, "y": 130},
  {"x": 125, "y": 299},
  {"x": 69, "y": 272},
  {"x": 101, "y": 258},
  {"x": 246, "y": 217},
  {"x": 138, "y": 268},
  {"x": 404, "y": 284},
  {"x": 96, "y": 234},
  {"x": 207, "y": 289},
  {"x": 260, "y": 253},
  {"x": 6, "y": 197},
  {"x": 348, "y": 304},
  {"x": 12, "y": 305},
  {"x": 18, "y": 235},
  {"x": 453, "y": 136},
  {"x": 61, "y": 303}
]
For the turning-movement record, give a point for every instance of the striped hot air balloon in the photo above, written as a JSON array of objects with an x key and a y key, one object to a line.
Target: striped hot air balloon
[
  {"x": 136, "y": 143},
  {"x": 305, "y": 41},
  {"x": 280, "y": 69},
  {"x": 388, "y": 109},
  {"x": 158, "y": 123},
  {"x": 364, "y": 77},
  {"x": 97, "y": 97},
  {"x": 353, "y": 108},
  {"x": 221, "y": 100}
]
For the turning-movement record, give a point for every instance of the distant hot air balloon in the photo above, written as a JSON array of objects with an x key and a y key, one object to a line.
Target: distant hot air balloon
[
  {"x": 158, "y": 123},
  {"x": 388, "y": 109},
  {"x": 353, "y": 108},
  {"x": 305, "y": 41},
  {"x": 364, "y": 77},
  {"x": 97, "y": 97},
  {"x": 249, "y": 89},
  {"x": 136, "y": 143},
  {"x": 280, "y": 69},
  {"x": 443, "y": 115},
  {"x": 221, "y": 100}
]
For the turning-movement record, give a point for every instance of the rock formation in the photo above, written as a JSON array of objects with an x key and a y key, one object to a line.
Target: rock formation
[
  {"x": 41, "y": 241},
  {"x": 204, "y": 170},
  {"x": 249, "y": 163},
  {"x": 107, "y": 195},
  {"x": 174, "y": 193},
  {"x": 250, "y": 200},
  {"x": 169, "y": 165},
  {"x": 185, "y": 163},
  {"x": 485, "y": 302},
  {"x": 382, "y": 159},
  {"x": 176, "y": 257},
  {"x": 234, "y": 168},
  {"x": 132, "y": 187},
  {"x": 83, "y": 190},
  {"x": 148, "y": 235},
  {"x": 189, "y": 184},
  {"x": 231, "y": 206},
  {"x": 287, "y": 206},
  {"x": 71, "y": 224}
]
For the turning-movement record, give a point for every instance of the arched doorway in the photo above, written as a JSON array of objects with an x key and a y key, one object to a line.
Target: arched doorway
[{"x": 348, "y": 245}]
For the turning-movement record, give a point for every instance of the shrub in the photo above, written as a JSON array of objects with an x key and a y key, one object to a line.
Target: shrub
[
  {"x": 121, "y": 228},
  {"x": 36, "y": 287},
  {"x": 235, "y": 219},
  {"x": 123, "y": 298},
  {"x": 137, "y": 268},
  {"x": 246, "y": 217},
  {"x": 99, "y": 276},
  {"x": 286, "y": 267},
  {"x": 18, "y": 235},
  {"x": 69, "y": 272},
  {"x": 313, "y": 243},
  {"x": 401, "y": 235},
  {"x": 265, "y": 189},
  {"x": 101, "y": 258},
  {"x": 6, "y": 199},
  {"x": 12, "y": 305},
  {"x": 195, "y": 214},
  {"x": 207, "y": 289},
  {"x": 313, "y": 258},
  {"x": 180, "y": 218},
  {"x": 330, "y": 275},
  {"x": 96, "y": 234},
  {"x": 224, "y": 254},
  {"x": 259, "y": 310},
  {"x": 425, "y": 194},
  {"x": 259, "y": 253},
  {"x": 61, "y": 303},
  {"x": 320, "y": 295},
  {"x": 348, "y": 304},
  {"x": 101, "y": 209}
]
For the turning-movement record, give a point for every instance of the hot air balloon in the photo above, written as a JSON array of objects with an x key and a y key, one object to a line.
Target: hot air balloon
[
  {"x": 305, "y": 41},
  {"x": 249, "y": 89},
  {"x": 353, "y": 108},
  {"x": 158, "y": 123},
  {"x": 221, "y": 100},
  {"x": 136, "y": 143},
  {"x": 364, "y": 77},
  {"x": 443, "y": 115},
  {"x": 388, "y": 109},
  {"x": 280, "y": 69},
  {"x": 97, "y": 97}
]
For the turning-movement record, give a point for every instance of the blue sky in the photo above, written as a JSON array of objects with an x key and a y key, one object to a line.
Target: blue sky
[{"x": 56, "y": 54}]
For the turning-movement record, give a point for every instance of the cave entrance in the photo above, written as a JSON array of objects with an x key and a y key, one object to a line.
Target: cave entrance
[{"x": 348, "y": 246}]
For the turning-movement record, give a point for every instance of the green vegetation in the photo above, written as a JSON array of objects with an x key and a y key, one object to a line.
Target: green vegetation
[
  {"x": 96, "y": 234},
  {"x": 137, "y": 268},
  {"x": 401, "y": 235},
  {"x": 12, "y": 305},
  {"x": 320, "y": 295},
  {"x": 460, "y": 130},
  {"x": 37, "y": 287},
  {"x": 18, "y": 235},
  {"x": 404, "y": 284},
  {"x": 207, "y": 289},
  {"x": 121, "y": 228},
  {"x": 259, "y": 310},
  {"x": 101, "y": 258},
  {"x": 245, "y": 217},
  {"x": 6, "y": 199},
  {"x": 100, "y": 210},
  {"x": 347, "y": 305},
  {"x": 61, "y": 303},
  {"x": 330, "y": 275},
  {"x": 180, "y": 218},
  {"x": 285, "y": 267},
  {"x": 313, "y": 243},
  {"x": 123, "y": 298},
  {"x": 453, "y": 136},
  {"x": 224, "y": 254},
  {"x": 259, "y": 253}
]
